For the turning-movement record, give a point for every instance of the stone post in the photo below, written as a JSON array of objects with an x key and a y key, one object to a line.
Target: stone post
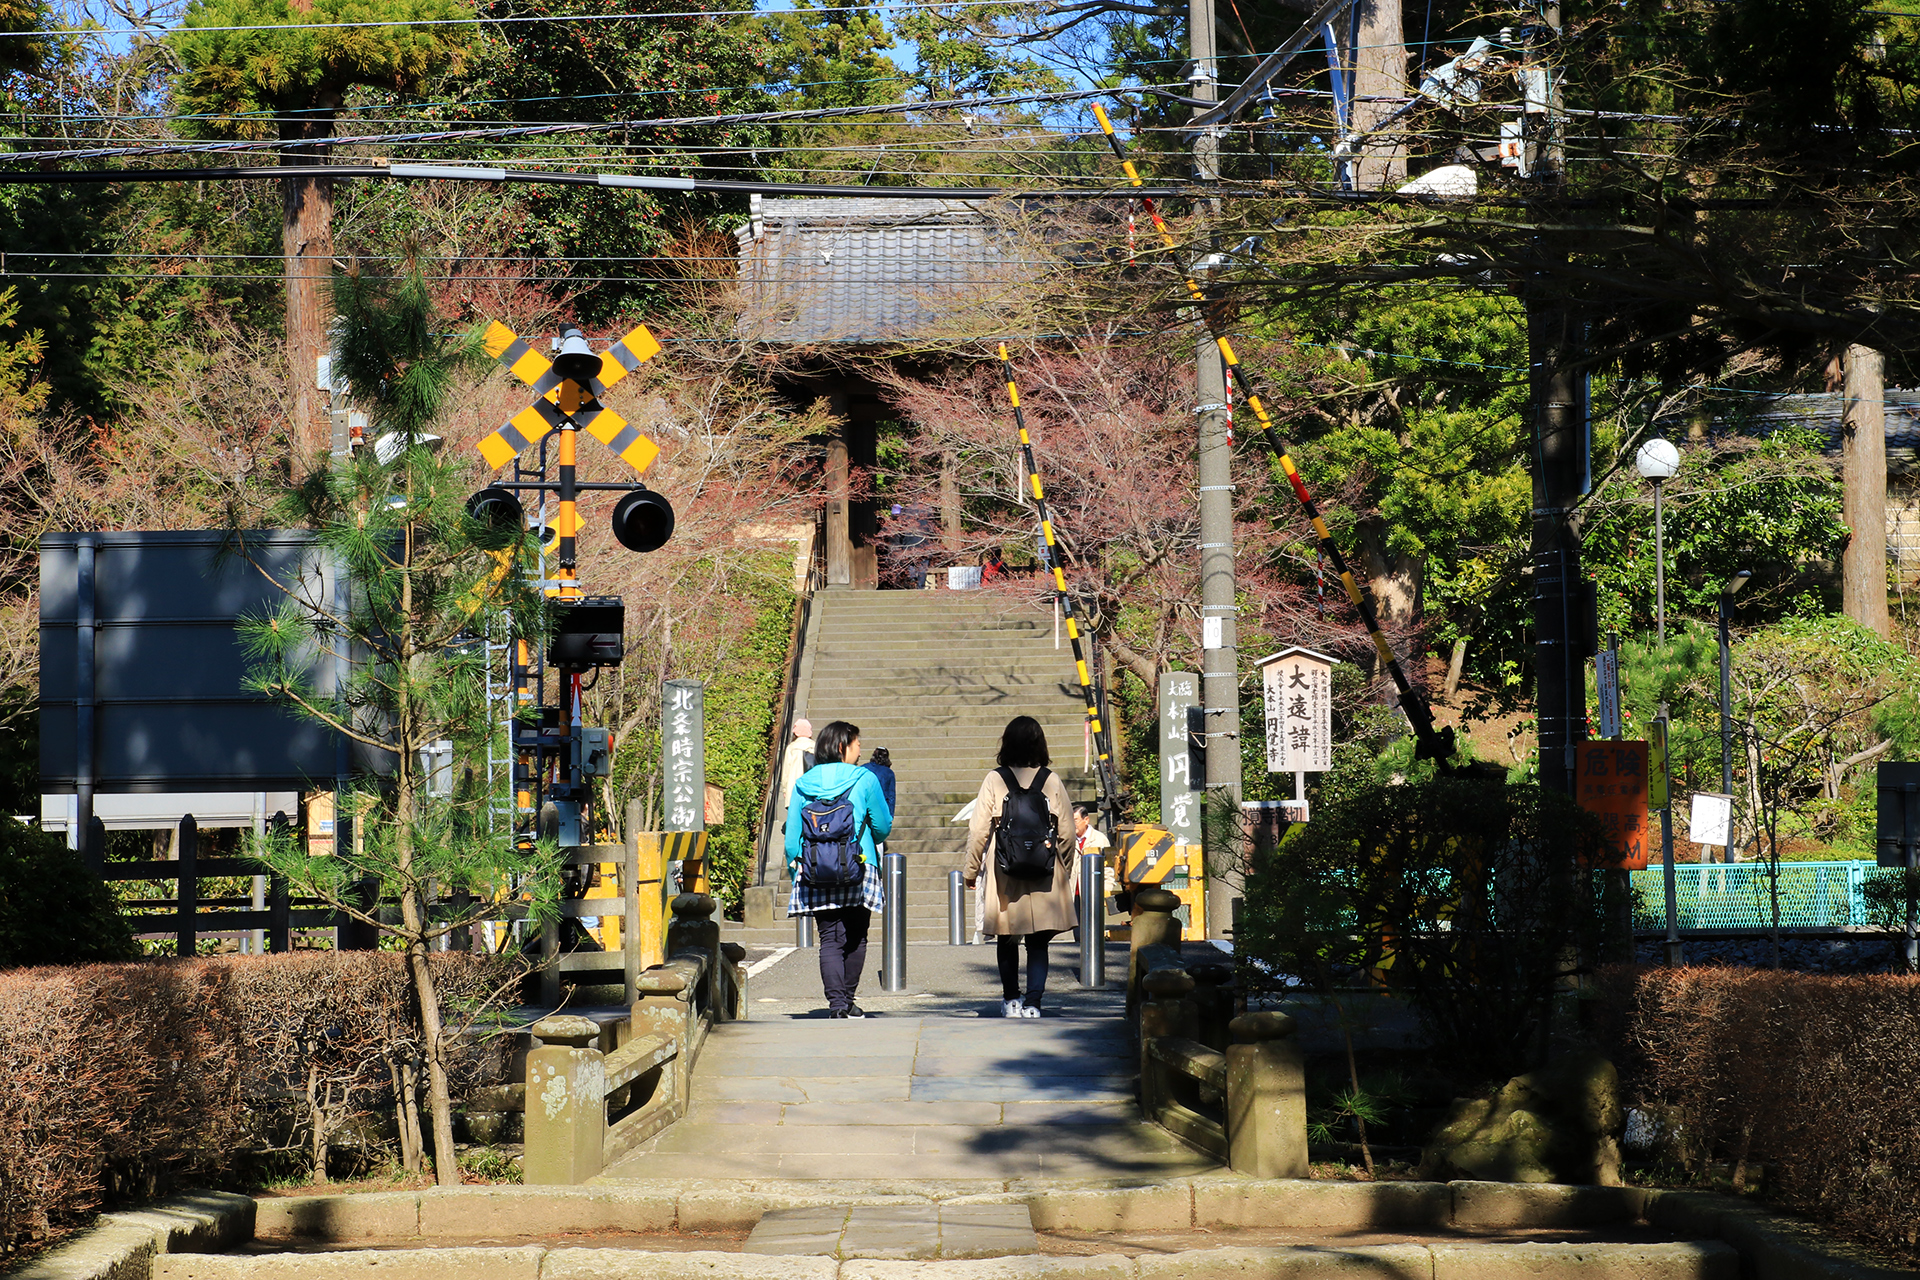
[
  {"x": 566, "y": 1118},
  {"x": 1166, "y": 1012},
  {"x": 693, "y": 928},
  {"x": 1153, "y": 925},
  {"x": 1266, "y": 1098},
  {"x": 1212, "y": 1004}
]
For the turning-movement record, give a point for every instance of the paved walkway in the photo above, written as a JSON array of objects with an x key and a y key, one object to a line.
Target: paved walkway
[{"x": 912, "y": 1093}]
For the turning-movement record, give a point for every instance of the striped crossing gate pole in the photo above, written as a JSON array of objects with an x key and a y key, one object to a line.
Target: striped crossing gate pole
[
  {"x": 1433, "y": 743},
  {"x": 1102, "y": 735}
]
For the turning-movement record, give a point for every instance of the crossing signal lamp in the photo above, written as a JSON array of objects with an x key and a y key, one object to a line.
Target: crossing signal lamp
[
  {"x": 643, "y": 520},
  {"x": 496, "y": 510}
]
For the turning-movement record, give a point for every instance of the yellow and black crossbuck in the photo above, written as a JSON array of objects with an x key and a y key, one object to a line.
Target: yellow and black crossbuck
[{"x": 553, "y": 393}]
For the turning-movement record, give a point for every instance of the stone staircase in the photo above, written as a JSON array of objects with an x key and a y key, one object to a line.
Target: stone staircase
[{"x": 934, "y": 676}]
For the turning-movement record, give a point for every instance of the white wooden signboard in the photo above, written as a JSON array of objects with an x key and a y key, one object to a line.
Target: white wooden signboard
[{"x": 1298, "y": 684}]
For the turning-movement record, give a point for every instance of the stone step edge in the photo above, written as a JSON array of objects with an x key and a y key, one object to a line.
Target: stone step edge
[
  {"x": 1688, "y": 1260},
  {"x": 144, "y": 1242}
]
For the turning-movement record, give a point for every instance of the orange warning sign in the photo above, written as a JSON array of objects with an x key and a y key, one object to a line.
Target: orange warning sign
[{"x": 1610, "y": 780}]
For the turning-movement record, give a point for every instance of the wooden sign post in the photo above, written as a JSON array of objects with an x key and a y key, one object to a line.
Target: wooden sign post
[{"x": 1298, "y": 688}]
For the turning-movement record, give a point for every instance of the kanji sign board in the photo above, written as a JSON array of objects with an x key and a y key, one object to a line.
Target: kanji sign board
[
  {"x": 1610, "y": 780},
  {"x": 683, "y": 750},
  {"x": 1299, "y": 695},
  {"x": 1179, "y": 789}
]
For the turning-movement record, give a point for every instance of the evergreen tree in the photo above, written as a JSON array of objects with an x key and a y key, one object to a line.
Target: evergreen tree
[
  {"x": 422, "y": 573},
  {"x": 282, "y": 68}
]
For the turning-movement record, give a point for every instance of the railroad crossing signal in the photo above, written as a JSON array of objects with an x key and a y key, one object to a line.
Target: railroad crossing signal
[{"x": 558, "y": 397}]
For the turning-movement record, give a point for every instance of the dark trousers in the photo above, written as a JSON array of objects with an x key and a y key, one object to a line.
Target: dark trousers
[
  {"x": 843, "y": 952},
  {"x": 1007, "y": 950}
]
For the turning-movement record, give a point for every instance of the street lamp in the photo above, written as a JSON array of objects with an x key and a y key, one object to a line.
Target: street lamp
[
  {"x": 1727, "y": 593},
  {"x": 1657, "y": 460}
]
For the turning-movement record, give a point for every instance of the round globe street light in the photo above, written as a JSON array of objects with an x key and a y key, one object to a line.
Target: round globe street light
[{"x": 1657, "y": 460}]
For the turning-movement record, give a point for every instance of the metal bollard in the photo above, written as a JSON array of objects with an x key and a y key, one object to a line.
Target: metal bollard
[
  {"x": 1093, "y": 921},
  {"x": 893, "y": 924},
  {"x": 804, "y": 934},
  {"x": 956, "y": 910}
]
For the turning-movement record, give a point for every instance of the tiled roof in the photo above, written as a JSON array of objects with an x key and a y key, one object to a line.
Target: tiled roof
[
  {"x": 864, "y": 270},
  {"x": 1822, "y": 412}
]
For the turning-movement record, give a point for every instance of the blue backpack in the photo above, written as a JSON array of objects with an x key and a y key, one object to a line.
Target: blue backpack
[{"x": 830, "y": 842}]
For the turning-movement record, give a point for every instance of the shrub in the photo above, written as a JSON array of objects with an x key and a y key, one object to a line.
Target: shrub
[
  {"x": 1466, "y": 894},
  {"x": 125, "y": 1081},
  {"x": 1816, "y": 1076},
  {"x": 52, "y": 909}
]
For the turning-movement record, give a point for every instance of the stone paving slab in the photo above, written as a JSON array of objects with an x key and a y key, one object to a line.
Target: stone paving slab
[
  {"x": 896, "y": 1232},
  {"x": 998, "y": 1088}
]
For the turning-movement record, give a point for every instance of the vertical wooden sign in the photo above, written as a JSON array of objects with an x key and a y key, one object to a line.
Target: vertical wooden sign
[
  {"x": 1298, "y": 688},
  {"x": 1180, "y": 790},
  {"x": 683, "y": 754}
]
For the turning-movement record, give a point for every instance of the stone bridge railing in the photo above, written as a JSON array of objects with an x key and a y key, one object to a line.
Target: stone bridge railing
[
  {"x": 1232, "y": 1087},
  {"x": 596, "y": 1091}
]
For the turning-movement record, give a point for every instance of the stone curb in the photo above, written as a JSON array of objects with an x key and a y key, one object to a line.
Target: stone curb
[
  {"x": 123, "y": 1246},
  {"x": 1774, "y": 1248},
  {"x": 1710, "y": 1260}
]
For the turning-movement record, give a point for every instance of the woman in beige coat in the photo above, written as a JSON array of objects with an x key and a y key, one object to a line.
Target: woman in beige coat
[{"x": 1029, "y": 911}]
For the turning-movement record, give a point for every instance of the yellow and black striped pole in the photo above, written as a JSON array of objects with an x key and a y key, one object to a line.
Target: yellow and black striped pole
[
  {"x": 1432, "y": 743},
  {"x": 1102, "y": 734},
  {"x": 568, "y": 524}
]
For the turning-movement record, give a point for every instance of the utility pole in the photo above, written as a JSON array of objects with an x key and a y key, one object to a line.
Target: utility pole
[
  {"x": 1561, "y": 601},
  {"x": 1220, "y": 655}
]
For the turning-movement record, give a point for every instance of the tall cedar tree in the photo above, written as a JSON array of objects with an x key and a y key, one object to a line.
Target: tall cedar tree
[{"x": 286, "y": 75}]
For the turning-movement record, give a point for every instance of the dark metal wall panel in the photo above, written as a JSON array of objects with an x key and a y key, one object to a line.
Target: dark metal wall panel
[{"x": 172, "y": 712}]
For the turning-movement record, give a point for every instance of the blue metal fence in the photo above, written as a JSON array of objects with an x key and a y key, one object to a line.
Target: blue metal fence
[{"x": 1813, "y": 895}]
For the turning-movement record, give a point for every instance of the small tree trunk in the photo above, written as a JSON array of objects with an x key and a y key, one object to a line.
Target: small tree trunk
[
  {"x": 317, "y": 1118},
  {"x": 1353, "y": 1079}
]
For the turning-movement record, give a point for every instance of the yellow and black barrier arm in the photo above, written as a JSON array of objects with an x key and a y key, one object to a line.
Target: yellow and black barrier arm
[
  {"x": 1102, "y": 733},
  {"x": 1432, "y": 743}
]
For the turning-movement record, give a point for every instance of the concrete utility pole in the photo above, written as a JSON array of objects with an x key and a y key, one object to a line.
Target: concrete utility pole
[
  {"x": 1863, "y": 477},
  {"x": 1554, "y": 338},
  {"x": 1220, "y": 655}
]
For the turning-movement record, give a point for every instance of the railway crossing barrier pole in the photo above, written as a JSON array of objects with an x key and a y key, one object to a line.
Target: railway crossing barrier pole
[
  {"x": 1093, "y": 921},
  {"x": 956, "y": 910},
  {"x": 893, "y": 924}
]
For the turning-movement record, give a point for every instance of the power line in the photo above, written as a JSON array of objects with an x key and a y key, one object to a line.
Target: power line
[{"x": 589, "y": 126}]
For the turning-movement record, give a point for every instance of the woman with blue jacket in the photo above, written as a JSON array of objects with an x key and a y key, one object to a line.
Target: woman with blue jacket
[{"x": 843, "y": 912}]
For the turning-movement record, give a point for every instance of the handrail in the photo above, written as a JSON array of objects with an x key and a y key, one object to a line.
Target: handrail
[
  {"x": 789, "y": 689},
  {"x": 589, "y": 1102}
]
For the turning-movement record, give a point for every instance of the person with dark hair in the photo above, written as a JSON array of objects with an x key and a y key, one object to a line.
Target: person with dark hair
[
  {"x": 881, "y": 766},
  {"x": 1021, "y": 838},
  {"x": 838, "y": 814}
]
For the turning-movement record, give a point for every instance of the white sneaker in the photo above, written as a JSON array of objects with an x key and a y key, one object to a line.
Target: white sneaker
[
  {"x": 1014, "y": 1009},
  {"x": 1029, "y": 1010}
]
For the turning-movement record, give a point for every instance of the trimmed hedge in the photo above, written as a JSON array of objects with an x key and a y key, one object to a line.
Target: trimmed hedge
[
  {"x": 1817, "y": 1077},
  {"x": 126, "y": 1081}
]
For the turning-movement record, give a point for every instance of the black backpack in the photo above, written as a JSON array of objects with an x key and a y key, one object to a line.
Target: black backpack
[
  {"x": 1025, "y": 832},
  {"x": 830, "y": 842}
]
